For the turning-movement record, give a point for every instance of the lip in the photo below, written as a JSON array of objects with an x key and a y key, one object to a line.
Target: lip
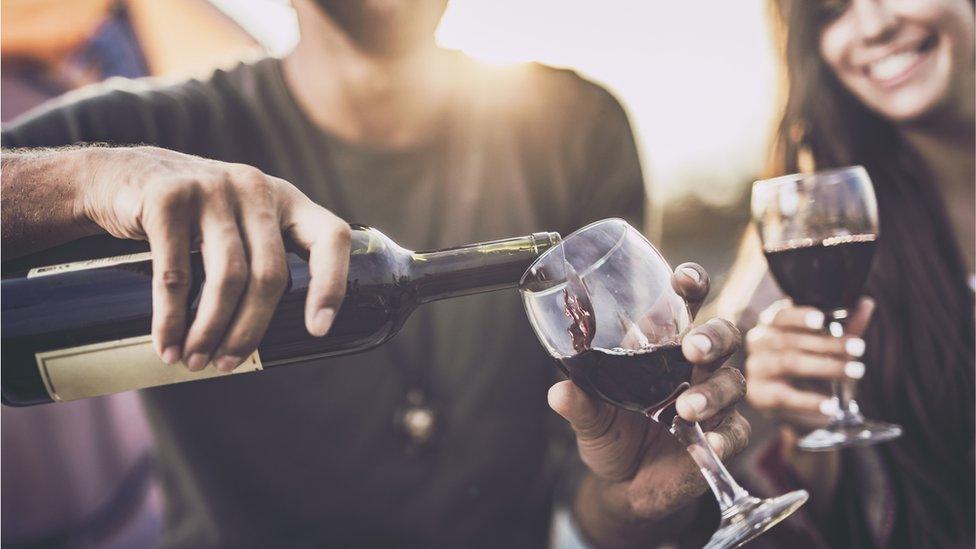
[{"x": 923, "y": 51}]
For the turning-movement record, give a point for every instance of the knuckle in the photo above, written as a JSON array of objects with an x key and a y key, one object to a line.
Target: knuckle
[
  {"x": 270, "y": 281},
  {"x": 215, "y": 184},
  {"x": 755, "y": 338},
  {"x": 242, "y": 345},
  {"x": 342, "y": 233},
  {"x": 165, "y": 323},
  {"x": 783, "y": 341},
  {"x": 204, "y": 339},
  {"x": 232, "y": 277},
  {"x": 786, "y": 361},
  {"x": 246, "y": 174},
  {"x": 758, "y": 367},
  {"x": 209, "y": 335},
  {"x": 754, "y": 368},
  {"x": 769, "y": 315},
  {"x": 728, "y": 330},
  {"x": 737, "y": 380},
  {"x": 172, "y": 195},
  {"x": 760, "y": 398},
  {"x": 174, "y": 279},
  {"x": 740, "y": 431},
  {"x": 261, "y": 190},
  {"x": 236, "y": 263},
  {"x": 264, "y": 214}
]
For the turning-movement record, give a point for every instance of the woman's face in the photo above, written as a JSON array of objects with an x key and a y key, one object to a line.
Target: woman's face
[{"x": 903, "y": 58}]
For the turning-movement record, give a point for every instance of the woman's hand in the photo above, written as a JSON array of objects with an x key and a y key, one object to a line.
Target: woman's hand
[{"x": 791, "y": 356}]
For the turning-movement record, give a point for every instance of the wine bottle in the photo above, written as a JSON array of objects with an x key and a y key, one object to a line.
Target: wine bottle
[{"x": 80, "y": 330}]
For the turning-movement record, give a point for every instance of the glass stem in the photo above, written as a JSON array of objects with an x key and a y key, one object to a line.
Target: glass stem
[
  {"x": 843, "y": 390},
  {"x": 727, "y": 491}
]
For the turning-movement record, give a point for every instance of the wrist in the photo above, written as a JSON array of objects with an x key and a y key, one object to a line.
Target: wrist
[
  {"x": 605, "y": 517},
  {"x": 102, "y": 166}
]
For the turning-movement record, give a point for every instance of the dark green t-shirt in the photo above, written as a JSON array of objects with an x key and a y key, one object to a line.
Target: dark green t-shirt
[{"x": 311, "y": 455}]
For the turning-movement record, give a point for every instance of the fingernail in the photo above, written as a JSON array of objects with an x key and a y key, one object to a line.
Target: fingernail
[
  {"x": 700, "y": 342},
  {"x": 854, "y": 369},
  {"x": 197, "y": 361},
  {"x": 695, "y": 401},
  {"x": 716, "y": 441},
  {"x": 814, "y": 320},
  {"x": 692, "y": 274},
  {"x": 323, "y": 321},
  {"x": 171, "y": 354},
  {"x": 227, "y": 363},
  {"x": 829, "y": 407},
  {"x": 854, "y": 347}
]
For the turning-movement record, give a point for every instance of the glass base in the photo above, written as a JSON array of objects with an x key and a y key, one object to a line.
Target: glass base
[
  {"x": 842, "y": 435},
  {"x": 754, "y": 516}
]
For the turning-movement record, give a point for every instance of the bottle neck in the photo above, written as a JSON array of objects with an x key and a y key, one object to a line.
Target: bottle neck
[{"x": 476, "y": 268}]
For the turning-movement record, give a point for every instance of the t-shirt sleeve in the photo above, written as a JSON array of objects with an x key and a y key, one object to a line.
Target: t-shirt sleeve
[
  {"x": 118, "y": 112},
  {"x": 610, "y": 182}
]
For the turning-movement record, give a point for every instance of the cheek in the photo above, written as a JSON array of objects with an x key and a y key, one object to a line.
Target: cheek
[
  {"x": 833, "y": 47},
  {"x": 961, "y": 22},
  {"x": 952, "y": 19}
]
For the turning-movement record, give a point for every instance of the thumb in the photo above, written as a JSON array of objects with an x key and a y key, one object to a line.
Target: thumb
[
  {"x": 590, "y": 418},
  {"x": 861, "y": 318}
]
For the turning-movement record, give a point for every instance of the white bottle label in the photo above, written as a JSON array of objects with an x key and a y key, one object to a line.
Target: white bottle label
[{"x": 116, "y": 366}]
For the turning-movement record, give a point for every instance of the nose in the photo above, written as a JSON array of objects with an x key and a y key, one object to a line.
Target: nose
[{"x": 876, "y": 21}]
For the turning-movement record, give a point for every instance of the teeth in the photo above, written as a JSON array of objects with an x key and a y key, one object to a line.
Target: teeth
[{"x": 892, "y": 66}]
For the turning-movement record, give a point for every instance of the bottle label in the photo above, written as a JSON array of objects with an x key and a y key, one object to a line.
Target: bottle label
[
  {"x": 116, "y": 366},
  {"x": 89, "y": 264}
]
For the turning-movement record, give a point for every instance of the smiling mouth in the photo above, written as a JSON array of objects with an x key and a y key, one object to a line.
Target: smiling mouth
[{"x": 894, "y": 68}]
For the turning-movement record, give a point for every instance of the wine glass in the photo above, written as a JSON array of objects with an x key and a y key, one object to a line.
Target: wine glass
[
  {"x": 602, "y": 304},
  {"x": 819, "y": 232}
]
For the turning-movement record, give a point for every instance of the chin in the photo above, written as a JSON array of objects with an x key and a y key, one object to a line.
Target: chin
[{"x": 911, "y": 108}]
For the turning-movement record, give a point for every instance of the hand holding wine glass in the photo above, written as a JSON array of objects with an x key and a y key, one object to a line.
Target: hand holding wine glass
[
  {"x": 819, "y": 232},
  {"x": 635, "y": 460},
  {"x": 606, "y": 305},
  {"x": 789, "y": 355}
]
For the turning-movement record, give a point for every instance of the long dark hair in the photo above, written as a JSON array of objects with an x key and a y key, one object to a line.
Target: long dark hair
[{"x": 921, "y": 339}]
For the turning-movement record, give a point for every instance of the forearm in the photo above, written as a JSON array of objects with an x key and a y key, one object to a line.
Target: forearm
[
  {"x": 43, "y": 191},
  {"x": 606, "y": 519}
]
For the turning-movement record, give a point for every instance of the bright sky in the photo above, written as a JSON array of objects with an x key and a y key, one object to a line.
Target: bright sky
[{"x": 697, "y": 76}]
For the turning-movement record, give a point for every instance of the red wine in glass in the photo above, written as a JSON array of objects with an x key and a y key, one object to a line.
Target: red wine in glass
[
  {"x": 828, "y": 275},
  {"x": 646, "y": 381}
]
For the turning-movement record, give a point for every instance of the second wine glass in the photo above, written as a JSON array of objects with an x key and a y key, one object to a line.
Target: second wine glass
[{"x": 819, "y": 232}]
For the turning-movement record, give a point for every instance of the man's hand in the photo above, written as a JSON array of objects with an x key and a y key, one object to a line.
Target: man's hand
[
  {"x": 638, "y": 467},
  {"x": 241, "y": 218}
]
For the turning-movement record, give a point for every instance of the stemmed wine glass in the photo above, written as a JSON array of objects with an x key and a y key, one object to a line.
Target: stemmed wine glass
[
  {"x": 602, "y": 304},
  {"x": 819, "y": 232}
]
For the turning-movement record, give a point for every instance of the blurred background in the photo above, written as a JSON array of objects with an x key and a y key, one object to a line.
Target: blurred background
[{"x": 697, "y": 78}]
